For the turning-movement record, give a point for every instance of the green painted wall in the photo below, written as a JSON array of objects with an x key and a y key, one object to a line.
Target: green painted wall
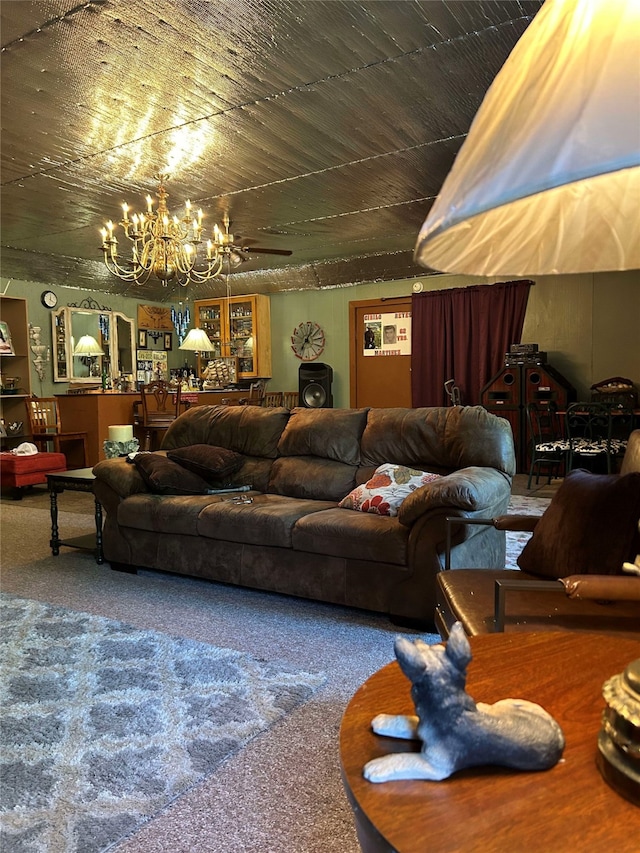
[{"x": 588, "y": 324}]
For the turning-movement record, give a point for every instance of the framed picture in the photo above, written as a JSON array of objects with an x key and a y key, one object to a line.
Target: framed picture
[
  {"x": 6, "y": 347},
  {"x": 142, "y": 338},
  {"x": 167, "y": 340}
]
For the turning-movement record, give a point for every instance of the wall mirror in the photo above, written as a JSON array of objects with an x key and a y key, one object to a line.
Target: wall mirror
[{"x": 114, "y": 333}]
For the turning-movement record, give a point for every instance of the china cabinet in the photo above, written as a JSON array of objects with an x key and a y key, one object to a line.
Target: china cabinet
[
  {"x": 15, "y": 370},
  {"x": 238, "y": 326}
]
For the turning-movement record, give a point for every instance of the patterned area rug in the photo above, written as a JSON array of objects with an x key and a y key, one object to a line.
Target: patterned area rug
[
  {"x": 522, "y": 505},
  {"x": 103, "y": 724}
]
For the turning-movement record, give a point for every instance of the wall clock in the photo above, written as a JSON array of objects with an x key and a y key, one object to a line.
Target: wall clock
[
  {"x": 307, "y": 341},
  {"x": 48, "y": 299}
]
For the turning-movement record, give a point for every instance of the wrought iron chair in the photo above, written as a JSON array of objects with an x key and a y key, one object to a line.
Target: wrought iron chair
[
  {"x": 160, "y": 407},
  {"x": 590, "y": 433},
  {"x": 46, "y": 428},
  {"x": 548, "y": 447}
]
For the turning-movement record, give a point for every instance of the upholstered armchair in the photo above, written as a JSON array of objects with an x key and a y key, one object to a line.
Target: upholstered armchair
[{"x": 572, "y": 569}]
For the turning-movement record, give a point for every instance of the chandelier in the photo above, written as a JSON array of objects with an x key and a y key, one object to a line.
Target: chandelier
[
  {"x": 167, "y": 247},
  {"x": 180, "y": 320}
]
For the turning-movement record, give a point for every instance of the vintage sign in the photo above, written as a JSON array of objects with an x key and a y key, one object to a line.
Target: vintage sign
[
  {"x": 387, "y": 334},
  {"x": 151, "y": 365},
  {"x": 154, "y": 317}
]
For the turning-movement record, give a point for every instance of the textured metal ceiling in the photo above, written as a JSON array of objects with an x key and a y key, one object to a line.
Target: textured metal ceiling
[{"x": 322, "y": 126}]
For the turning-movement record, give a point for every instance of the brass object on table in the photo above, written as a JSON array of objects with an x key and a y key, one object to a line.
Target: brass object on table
[{"x": 618, "y": 757}]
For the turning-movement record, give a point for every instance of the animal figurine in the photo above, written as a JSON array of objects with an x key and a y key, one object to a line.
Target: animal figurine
[{"x": 454, "y": 730}]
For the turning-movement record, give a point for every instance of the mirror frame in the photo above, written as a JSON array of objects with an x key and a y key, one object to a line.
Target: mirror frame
[{"x": 63, "y": 340}]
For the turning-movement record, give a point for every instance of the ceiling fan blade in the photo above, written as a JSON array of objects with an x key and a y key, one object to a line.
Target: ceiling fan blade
[{"x": 268, "y": 251}]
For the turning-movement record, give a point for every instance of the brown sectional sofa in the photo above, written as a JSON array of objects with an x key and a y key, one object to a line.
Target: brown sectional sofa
[{"x": 293, "y": 538}]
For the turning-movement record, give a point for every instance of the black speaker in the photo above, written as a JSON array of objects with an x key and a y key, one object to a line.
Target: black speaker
[{"x": 314, "y": 385}]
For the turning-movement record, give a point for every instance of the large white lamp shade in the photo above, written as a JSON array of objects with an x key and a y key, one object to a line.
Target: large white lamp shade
[{"x": 548, "y": 179}]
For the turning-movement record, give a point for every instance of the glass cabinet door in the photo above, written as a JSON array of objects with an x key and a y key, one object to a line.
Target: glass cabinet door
[
  {"x": 211, "y": 319},
  {"x": 242, "y": 333},
  {"x": 240, "y": 327}
]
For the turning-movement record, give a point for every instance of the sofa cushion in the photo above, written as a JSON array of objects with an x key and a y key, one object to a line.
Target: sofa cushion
[
  {"x": 250, "y": 430},
  {"x": 590, "y": 527},
  {"x": 311, "y": 477},
  {"x": 172, "y": 514},
  {"x": 327, "y": 433},
  {"x": 165, "y": 477},
  {"x": 214, "y": 464},
  {"x": 386, "y": 490},
  {"x": 268, "y": 520},
  {"x": 353, "y": 535},
  {"x": 439, "y": 438}
]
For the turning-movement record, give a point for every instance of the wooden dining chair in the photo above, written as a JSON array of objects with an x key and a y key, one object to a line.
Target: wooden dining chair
[
  {"x": 160, "y": 407},
  {"x": 256, "y": 393},
  {"x": 46, "y": 429},
  {"x": 272, "y": 400},
  {"x": 290, "y": 399}
]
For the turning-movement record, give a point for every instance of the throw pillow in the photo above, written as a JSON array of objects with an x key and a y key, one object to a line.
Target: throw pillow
[
  {"x": 212, "y": 463},
  {"x": 165, "y": 477},
  {"x": 590, "y": 527},
  {"x": 385, "y": 491}
]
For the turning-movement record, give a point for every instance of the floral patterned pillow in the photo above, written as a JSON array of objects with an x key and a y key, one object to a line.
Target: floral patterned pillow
[{"x": 385, "y": 491}]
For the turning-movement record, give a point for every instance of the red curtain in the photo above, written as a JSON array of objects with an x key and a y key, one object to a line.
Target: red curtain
[{"x": 463, "y": 334}]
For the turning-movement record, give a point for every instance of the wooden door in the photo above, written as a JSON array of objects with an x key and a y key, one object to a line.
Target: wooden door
[{"x": 380, "y": 364}]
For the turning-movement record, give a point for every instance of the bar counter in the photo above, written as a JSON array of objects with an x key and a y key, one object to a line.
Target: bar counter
[{"x": 95, "y": 411}]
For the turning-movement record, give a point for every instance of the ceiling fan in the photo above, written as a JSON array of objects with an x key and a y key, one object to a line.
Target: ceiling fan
[{"x": 237, "y": 250}]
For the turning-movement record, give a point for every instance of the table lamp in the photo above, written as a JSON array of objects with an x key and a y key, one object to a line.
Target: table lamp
[
  {"x": 88, "y": 347},
  {"x": 548, "y": 182},
  {"x": 197, "y": 341}
]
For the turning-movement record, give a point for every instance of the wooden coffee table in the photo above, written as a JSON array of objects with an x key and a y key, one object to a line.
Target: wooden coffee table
[
  {"x": 78, "y": 480},
  {"x": 568, "y": 809}
]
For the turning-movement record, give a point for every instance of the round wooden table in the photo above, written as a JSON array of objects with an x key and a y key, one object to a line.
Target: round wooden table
[{"x": 568, "y": 809}]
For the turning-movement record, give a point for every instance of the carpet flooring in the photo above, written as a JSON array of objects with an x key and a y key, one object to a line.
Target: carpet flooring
[
  {"x": 282, "y": 792},
  {"x": 103, "y": 724}
]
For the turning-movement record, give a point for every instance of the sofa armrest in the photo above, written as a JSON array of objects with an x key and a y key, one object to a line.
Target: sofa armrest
[
  {"x": 470, "y": 489},
  {"x": 503, "y": 586},
  {"x": 121, "y": 476},
  {"x": 575, "y": 587},
  {"x": 602, "y": 587}
]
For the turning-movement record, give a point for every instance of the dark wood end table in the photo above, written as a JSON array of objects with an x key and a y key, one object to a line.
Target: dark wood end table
[
  {"x": 78, "y": 480},
  {"x": 492, "y": 809}
]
